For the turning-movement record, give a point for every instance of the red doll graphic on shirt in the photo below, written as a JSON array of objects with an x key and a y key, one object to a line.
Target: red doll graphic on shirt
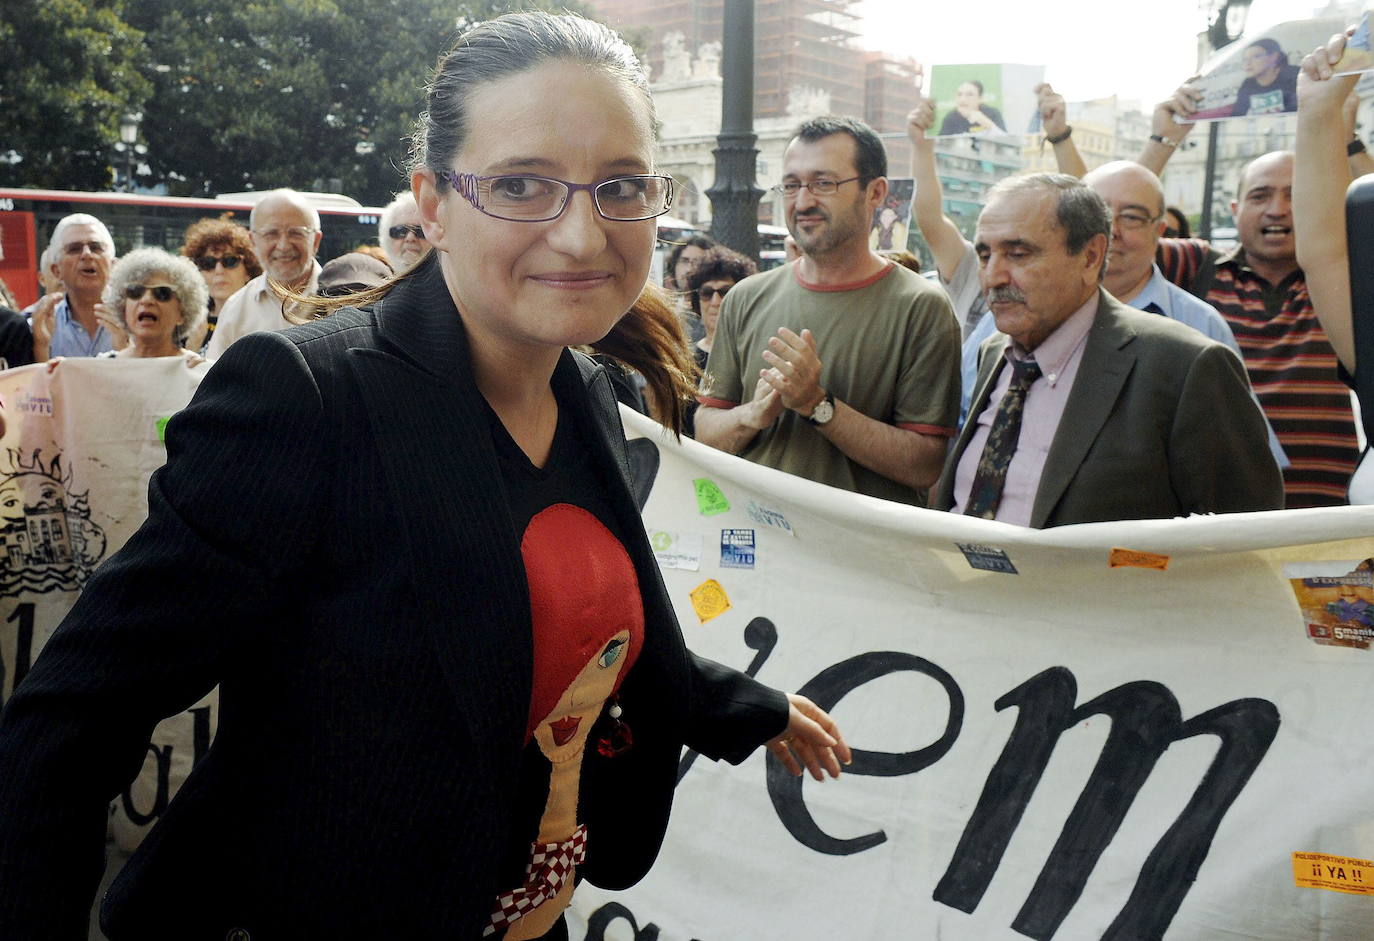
[{"x": 587, "y": 621}]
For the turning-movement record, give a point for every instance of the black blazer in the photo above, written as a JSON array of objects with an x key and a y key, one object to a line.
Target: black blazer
[
  {"x": 1159, "y": 423},
  {"x": 328, "y": 542}
]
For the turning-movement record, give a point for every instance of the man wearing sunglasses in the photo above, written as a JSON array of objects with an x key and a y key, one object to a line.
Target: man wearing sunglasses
[
  {"x": 841, "y": 367},
  {"x": 68, "y": 322},
  {"x": 400, "y": 234},
  {"x": 285, "y": 231}
]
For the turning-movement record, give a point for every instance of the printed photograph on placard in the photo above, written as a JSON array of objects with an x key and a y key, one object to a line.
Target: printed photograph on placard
[
  {"x": 989, "y": 98},
  {"x": 1336, "y": 600},
  {"x": 1359, "y": 50},
  {"x": 1258, "y": 74},
  {"x": 892, "y": 219}
]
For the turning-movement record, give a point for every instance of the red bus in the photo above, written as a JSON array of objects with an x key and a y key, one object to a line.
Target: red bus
[{"x": 28, "y": 217}]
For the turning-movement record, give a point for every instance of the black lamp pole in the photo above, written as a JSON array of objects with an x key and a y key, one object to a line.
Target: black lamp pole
[{"x": 734, "y": 195}]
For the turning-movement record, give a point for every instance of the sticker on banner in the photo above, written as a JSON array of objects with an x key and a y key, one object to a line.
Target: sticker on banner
[
  {"x": 987, "y": 558},
  {"x": 710, "y": 501},
  {"x": 1335, "y": 873},
  {"x": 162, "y": 428},
  {"x": 676, "y": 550},
  {"x": 709, "y": 600},
  {"x": 767, "y": 516},
  {"x": 1130, "y": 558},
  {"x": 1336, "y": 600},
  {"x": 736, "y": 548}
]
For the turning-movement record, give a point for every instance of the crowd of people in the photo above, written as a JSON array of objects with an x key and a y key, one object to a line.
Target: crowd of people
[{"x": 367, "y": 515}]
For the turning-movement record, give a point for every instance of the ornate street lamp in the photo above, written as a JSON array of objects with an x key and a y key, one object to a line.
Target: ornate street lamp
[
  {"x": 734, "y": 195},
  {"x": 128, "y": 138}
]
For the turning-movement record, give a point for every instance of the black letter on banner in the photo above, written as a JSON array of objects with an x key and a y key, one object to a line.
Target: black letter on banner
[
  {"x": 613, "y": 911},
  {"x": 760, "y": 635},
  {"x": 828, "y": 688},
  {"x": 1145, "y": 721},
  {"x": 23, "y": 646},
  {"x": 163, "y": 758},
  {"x": 200, "y": 733}
]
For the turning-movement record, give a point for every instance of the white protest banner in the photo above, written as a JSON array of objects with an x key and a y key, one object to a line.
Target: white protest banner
[
  {"x": 1119, "y": 730},
  {"x": 79, "y": 446}
]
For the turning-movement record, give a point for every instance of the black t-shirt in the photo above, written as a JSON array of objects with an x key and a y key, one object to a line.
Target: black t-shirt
[
  {"x": 16, "y": 340},
  {"x": 1276, "y": 98},
  {"x": 569, "y": 476}
]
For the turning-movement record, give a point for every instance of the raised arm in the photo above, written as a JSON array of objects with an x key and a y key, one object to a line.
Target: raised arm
[
  {"x": 1166, "y": 131},
  {"x": 1321, "y": 174},
  {"x": 1054, "y": 121},
  {"x": 927, "y": 205}
]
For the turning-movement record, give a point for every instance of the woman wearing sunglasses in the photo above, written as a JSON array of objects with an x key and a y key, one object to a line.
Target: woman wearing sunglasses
[
  {"x": 224, "y": 254},
  {"x": 162, "y": 299},
  {"x": 403, "y": 541}
]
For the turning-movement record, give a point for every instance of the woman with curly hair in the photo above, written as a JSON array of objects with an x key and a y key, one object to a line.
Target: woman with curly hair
[
  {"x": 713, "y": 275},
  {"x": 223, "y": 252},
  {"x": 161, "y": 299}
]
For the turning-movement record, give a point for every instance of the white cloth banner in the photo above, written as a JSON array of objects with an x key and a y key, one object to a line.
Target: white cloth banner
[
  {"x": 1119, "y": 730},
  {"x": 79, "y": 447}
]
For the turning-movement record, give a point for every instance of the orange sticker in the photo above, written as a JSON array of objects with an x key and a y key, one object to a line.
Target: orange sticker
[
  {"x": 1337, "y": 873},
  {"x": 1129, "y": 558},
  {"x": 709, "y": 600}
]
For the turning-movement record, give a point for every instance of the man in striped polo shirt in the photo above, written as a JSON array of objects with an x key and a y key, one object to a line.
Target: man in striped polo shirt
[{"x": 1260, "y": 290}]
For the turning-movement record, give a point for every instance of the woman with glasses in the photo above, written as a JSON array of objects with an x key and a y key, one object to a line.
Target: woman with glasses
[
  {"x": 400, "y": 234},
  {"x": 405, "y": 545},
  {"x": 162, "y": 299},
  {"x": 223, "y": 252}
]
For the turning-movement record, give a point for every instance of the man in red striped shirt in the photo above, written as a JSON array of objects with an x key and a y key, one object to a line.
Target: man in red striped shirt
[{"x": 1260, "y": 290}]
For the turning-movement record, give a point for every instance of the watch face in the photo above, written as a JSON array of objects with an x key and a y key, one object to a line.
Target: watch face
[{"x": 823, "y": 412}]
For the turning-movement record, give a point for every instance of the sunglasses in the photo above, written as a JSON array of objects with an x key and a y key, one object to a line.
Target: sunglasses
[
  {"x": 401, "y": 231},
  {"x": 162, "y": 293},
  {"x": 707, "y": 294},
  {"x": 208, "y": 262}
]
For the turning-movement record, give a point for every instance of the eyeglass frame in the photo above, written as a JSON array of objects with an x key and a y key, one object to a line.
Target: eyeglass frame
[
  {"x": 156, "y": 289},
  {"x": 465, "y": 185},
  {"x": 305, "y": 232},
  {"x": 1137, "y": 223},
  {"x": 407, "y": 229},
  {"x": 705, "y": 294},
  {"x": 229, "y": 261},
  {"x": 94, "y": 246},
  {"x": 810, "y": 186}
]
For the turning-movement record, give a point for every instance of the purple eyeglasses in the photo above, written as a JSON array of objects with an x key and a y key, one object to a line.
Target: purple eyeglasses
[{"x": 527, "y": 198}]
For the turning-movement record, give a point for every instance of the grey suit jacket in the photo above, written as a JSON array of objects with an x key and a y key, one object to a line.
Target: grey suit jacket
[{"x": 1160, "y": 423}]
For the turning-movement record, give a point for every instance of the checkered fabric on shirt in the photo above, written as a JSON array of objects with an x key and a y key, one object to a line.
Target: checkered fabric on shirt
[{"x": 550, "y": 866}]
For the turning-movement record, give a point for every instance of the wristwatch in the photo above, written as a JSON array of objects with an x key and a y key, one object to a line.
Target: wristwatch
[{"x": 824, "y": 410}]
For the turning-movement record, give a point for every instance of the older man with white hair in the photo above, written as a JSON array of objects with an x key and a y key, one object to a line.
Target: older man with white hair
[
  {"x": 69, "y": 322},
  {"x": 400, "y": 234},
  {"x": 286, "y": 234}
]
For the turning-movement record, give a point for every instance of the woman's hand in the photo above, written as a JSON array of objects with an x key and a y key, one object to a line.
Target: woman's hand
[
  {"x": 812, "y": 739},
  {"x": 119, "y": 334}
]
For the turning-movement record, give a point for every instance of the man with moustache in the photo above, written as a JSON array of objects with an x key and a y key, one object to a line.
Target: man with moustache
[
  {"x": 1085, "y": 409},
  {"x": 70, "y": 322},
  {"x": 285, "y": 231},
  {"x": 841, "y": 367}
]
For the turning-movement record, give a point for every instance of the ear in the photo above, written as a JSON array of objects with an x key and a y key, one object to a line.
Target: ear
[
  {"x": 1234, "y": 206},
  {"x": 319, "y": 236},
  {"x": 877, "y": 191},
  {"x": 1093, "y": 254},
  {"x": 430, "y": 203}
]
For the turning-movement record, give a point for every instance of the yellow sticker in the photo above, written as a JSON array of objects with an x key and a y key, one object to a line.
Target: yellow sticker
[
  {"x": 1337, "y": 873},
  {"x": 709, "y": 600},
  {"x": 1129, "y": 558}
]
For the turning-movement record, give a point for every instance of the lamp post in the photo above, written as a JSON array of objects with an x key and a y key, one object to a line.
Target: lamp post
[
  {"x": 734, "y": 195},
  {"x": 128, "y": 137},
  {"x": 1228, "y": 25}
]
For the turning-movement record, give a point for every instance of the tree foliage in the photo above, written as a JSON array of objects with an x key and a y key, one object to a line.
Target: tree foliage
[
  {"x": 71, "y": 69},
  {"x": 236, "y": 96}
]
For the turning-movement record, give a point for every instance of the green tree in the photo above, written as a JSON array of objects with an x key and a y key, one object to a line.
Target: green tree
[
  {"x": 70, "y": 71},
  {"x": 258, "y": 95}
]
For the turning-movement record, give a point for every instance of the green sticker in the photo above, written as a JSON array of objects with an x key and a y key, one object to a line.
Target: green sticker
[
  {"x": 162, "y": 428},
  {"x": 710, "y": 500},
  {"x": 661, "y": 541}
]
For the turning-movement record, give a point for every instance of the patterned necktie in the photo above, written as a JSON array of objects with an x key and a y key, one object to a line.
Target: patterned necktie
[{"x": 991, "y": 476}]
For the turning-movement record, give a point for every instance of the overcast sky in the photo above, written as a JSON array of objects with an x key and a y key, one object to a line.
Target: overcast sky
[{"x": 1142, "y": 49}]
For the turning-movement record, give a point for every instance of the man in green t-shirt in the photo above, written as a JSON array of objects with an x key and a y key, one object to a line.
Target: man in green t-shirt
[{"x": 840, "y": 367}]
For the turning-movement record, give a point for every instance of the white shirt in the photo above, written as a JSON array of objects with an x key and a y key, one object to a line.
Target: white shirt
[{"x": 252, "y": 308}]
